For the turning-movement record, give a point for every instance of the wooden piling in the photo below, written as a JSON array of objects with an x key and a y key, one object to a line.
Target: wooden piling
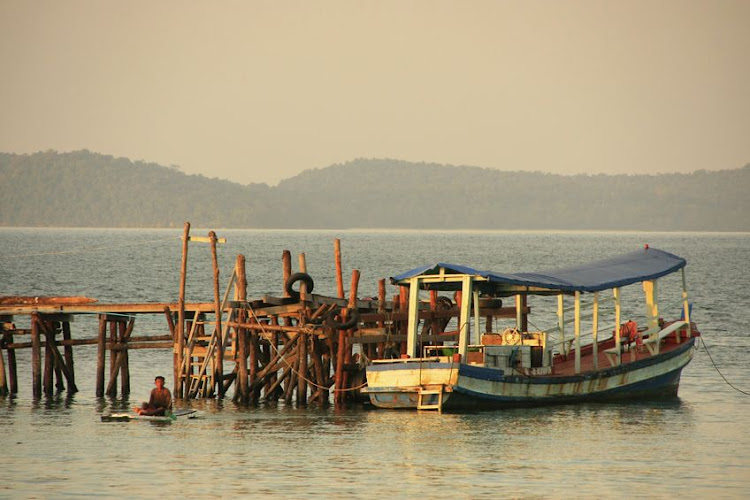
[
  {"x": 36, "y": 361},
  {"x": 302, "y": 375},
  {"x": 12, "y": 367},
  {"x": 68, "y": 350},
  {"x": 48, "y": 366},
  {"x": 242, "y": 393},
  {"x": 219, "y": 375},
  {"x": 100, "y": 354},
  {"x": 3, "y": 379},
  {"x": 179, "y": 387},
  {"x": 113, "y": 372}
]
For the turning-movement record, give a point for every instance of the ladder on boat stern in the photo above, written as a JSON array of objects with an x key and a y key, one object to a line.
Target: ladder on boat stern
[{"x": 430, "y": 393}]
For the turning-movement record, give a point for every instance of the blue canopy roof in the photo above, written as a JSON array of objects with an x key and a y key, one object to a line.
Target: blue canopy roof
[{"x": 633, "y": 267}]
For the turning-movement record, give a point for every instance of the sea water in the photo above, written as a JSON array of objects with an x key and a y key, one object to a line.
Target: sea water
[{"x": 697, "y": 445}]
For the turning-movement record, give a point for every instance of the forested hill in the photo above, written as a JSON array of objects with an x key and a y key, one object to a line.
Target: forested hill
[{"x": 89, "y": 189}]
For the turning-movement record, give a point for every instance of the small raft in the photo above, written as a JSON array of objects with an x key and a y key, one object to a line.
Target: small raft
[{"x": 170, "y": 417}]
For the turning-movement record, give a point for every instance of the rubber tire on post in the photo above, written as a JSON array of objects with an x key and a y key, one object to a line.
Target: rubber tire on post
[
  {"x": 294, "y": 278},
  {"x": 351, "y": 322}
]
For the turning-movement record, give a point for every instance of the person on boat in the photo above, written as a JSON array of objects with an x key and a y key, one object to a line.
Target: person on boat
[
  {"x": 630, "y": 334},
  {"x": 159, "y": 402}
]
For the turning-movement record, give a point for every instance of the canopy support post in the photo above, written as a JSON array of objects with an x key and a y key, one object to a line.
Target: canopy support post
[
  {"x": 561, "y": 322},
  {"x": 413, "y": 320},
  {"x": 651, "y": 290},
  {"x": 464, "y": 326},
  {"x": 618, "y": 320},
  {"x": 475, "y": 296},
  {"x": 685, "y": 306},
  {"x": 595, "y": 330}
]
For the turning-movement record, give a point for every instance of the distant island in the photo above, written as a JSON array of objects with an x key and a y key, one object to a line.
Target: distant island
[{"x": 87, "y": 189}]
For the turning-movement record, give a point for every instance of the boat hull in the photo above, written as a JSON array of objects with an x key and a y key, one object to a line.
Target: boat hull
[{"x": 477, "y": 387}]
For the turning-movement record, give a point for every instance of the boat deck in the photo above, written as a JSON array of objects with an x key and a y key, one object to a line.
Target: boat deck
[{"x": 565, "y": 365}]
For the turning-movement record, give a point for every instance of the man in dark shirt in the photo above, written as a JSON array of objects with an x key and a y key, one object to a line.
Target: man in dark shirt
[{"x": 159, "y": 402}]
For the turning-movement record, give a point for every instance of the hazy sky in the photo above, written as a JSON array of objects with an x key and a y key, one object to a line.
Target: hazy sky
[{"x": 257, "y": 91}]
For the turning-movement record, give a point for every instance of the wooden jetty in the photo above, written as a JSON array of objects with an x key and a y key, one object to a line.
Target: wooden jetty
[{"x": 298, "y": 346}]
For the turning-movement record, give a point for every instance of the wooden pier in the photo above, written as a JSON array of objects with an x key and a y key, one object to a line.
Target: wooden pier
[{"x": 298, "y": 346}]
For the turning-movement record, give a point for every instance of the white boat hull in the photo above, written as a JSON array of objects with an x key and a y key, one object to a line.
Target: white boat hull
[{"x": 398, "y": 384}]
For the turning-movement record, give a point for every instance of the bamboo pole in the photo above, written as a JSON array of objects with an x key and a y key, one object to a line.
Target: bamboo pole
[
  {"x": 36, "y": 362},
  {"x": 242, "y": 393},
  {"x": 101, "y": 349},
  {"x": 219, "y": 370},
  {"x": 179, "y": 388},
  {"x": 68, "y": 350}
]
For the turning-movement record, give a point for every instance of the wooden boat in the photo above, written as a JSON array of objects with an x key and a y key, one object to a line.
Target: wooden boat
[
  {"x": 518, "y": 366},
  {"x": 169, "y": 417}
]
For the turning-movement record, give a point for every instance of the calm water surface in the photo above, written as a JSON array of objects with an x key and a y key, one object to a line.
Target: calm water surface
[{"x": 695, "y": 446}]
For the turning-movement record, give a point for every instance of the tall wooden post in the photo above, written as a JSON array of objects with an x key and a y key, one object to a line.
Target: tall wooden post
[
  {"x": 302, "y": 344},
  {"x": 36, "y": 357},
  {"x": 352, "y": 306},
  {"x": 243, "y": 394},
  {"x": 100, "y": 355},
  {"x": 219, "y": 375},
  {"x": 339, "y": 272},
  {"x": 286, "y": 267},
  {"x": 577, "y": 329},
  {"x": 179, "y": 387}
]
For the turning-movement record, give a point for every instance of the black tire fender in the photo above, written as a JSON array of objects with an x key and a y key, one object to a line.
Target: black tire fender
[
  {"x": 294, "y": 278},
  {"x": 352, "y": 320}
]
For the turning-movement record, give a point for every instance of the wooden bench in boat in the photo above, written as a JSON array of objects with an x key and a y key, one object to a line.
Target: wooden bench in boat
[{"x": 653, "y": 337}]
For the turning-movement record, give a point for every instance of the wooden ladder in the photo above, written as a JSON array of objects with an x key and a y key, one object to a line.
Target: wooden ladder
[
  {"x": 430, "y": 392},
  {"x": 201, "y": 384}
]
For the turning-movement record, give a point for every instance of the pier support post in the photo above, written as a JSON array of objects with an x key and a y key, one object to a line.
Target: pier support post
[
  {"x": 242, "y": 393},
  {"x": 36, "y": 357},
  {"x": 179, "y": 390},
  {"x": 100, "y": 355},
  {"x": 68, "y": 350}
]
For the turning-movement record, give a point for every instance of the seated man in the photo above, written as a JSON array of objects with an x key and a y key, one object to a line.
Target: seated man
[{"x": 159, "y": 402}]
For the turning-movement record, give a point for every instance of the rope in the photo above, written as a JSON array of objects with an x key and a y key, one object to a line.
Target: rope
[
  {"x": 718, "y": 371},
  {"x": 84, "y": 250},
  {"x": 252, "y": 311}
]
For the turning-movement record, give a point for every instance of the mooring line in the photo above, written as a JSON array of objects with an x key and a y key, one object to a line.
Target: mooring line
[
  {"x": 297, "y": 371},
  {"x": 719, "y": 371},
  {"x": 83, "y": 250}
]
